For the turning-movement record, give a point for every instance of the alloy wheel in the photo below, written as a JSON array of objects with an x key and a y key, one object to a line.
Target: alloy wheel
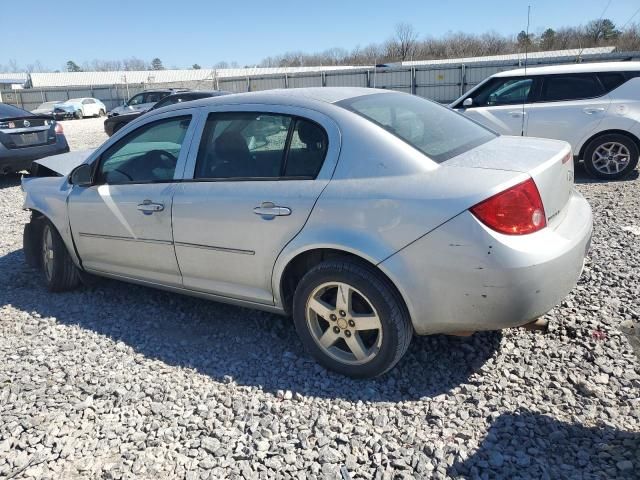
[
  {"x": 611, "y": 158},
  {"x": 344, "y": 323}
]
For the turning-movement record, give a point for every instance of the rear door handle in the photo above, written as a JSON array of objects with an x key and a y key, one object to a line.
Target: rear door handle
[
  {"x": 592, "y": 110},
  {"x": 517, "y": 113},
  {"x": 148, "y": 207},
  {"x": 270, "y": 209}
]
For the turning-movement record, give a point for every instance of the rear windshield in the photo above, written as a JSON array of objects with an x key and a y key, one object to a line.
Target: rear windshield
[
  {"x": 8, "y": 111},
  {"x": 435, "y": 130}
]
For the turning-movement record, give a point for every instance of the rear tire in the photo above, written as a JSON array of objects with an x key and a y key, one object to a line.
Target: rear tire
[
  {"x": 101, "y": 113},
  {"x": 60, "y": 273},
  {"x": 79, "y": 115},
  {"x": 362, "y": 334},
  {"x": 611, "y": 156}
]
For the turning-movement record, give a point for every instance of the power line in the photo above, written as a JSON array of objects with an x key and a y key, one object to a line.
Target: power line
[
  {"x": 605, "y": 10},
  {"x": 600, "y": 18},
  {"x": 630, "y": 18}
]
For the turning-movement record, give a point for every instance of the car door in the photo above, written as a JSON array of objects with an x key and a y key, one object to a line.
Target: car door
[
  {"x": 121, "y": 224},
  {"x": 501, "y": 104},
  {"x": 88, "y": 107},
  {"x": 570, "y": 107},
  {"x": 248, "y": 191}
]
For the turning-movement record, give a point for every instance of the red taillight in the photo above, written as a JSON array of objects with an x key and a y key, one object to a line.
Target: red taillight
[
  {"x": 516, "y": 211},
  {"x": 58, "y": 128}
]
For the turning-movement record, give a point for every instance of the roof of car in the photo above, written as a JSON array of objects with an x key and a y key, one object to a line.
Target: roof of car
[
  {"x": 573, "y": 68},
  {"x": 293, "y": 95},
  {"x": 313, "y": 97}
]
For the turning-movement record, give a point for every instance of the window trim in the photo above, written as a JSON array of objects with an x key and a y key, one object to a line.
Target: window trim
[
  {"x": 294, "y": 119},
  {"x": 544, "y": 78},
  {"x": 99, "y": 162}
]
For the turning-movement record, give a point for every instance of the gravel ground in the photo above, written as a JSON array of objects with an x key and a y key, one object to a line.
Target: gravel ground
[{"x": 120, "y": 381}]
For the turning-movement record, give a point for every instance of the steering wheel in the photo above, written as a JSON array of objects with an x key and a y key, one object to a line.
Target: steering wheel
[
  {"x": 161, "y": 159},
  {"x": 123, "y": 173}
]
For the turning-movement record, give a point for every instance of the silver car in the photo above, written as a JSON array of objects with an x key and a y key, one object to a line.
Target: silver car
[{"x": 368, "y": 215}]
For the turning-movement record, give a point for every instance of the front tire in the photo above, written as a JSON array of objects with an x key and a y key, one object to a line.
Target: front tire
[
  {"x": 60, "y": 273},
  {"x": 79, "y": 115},
  {"x": 611, "y": 156},
  {"x": 351, "y": 319},
  {"x": 101, "y": 113}
]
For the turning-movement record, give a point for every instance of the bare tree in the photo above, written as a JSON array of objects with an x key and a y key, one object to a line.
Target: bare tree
[
  {"x": 404, "y": 43},
  {"x": 134, "y": 64}
]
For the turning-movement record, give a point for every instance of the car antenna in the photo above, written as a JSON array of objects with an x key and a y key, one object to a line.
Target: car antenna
[{"x": 526, "y": 58}]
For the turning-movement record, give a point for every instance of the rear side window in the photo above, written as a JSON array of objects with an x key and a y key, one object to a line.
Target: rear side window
[
  {"x": 611, "y": 80},
  {"x": 436, "y": 131},
  {"x": 570, "y": 87},
  {"x": 153, "y": 97},
  {"x": 247, "y": 145},
  {"x": 307, "y": 150}
]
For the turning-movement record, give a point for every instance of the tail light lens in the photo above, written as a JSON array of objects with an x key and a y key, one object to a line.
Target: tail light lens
[
  {"x": 516, "y": 211},
  {"x": 58, "y": 128}
]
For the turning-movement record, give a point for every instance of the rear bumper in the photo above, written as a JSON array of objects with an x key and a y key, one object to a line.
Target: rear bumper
[
  {"x": 16, "y": 159},
  {"x": 466, "y": 277}
]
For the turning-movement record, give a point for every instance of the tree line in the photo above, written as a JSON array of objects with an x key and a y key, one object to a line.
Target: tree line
[{"x": 406, "y": 43}]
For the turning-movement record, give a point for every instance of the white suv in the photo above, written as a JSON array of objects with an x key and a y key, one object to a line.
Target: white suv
[{"x": 593, "y": 106}]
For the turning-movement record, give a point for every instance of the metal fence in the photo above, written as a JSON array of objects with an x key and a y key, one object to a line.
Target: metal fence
[{"x": 443, "y": 83}]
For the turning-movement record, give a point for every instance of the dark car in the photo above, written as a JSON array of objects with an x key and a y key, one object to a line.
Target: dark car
[
  {"x": 143, "y": 101},
  {"x": 115, "y": 123},
  {"x": 25, "y": 137}
]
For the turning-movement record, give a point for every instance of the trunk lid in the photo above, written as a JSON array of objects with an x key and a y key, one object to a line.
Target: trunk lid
[{"x": 548, "y": 162}]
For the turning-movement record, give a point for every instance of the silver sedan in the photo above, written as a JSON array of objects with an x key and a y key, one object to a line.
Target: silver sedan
[{"x": 367, "y": 215}]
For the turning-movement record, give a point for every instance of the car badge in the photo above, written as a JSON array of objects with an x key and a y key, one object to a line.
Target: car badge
[
  {"x": 12, "y": 125},
  {"x": 26, "y": 123},
  {"x": 570, "y": 175}
]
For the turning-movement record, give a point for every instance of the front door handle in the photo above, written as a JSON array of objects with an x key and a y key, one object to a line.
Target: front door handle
[
  {"x": 517, "y": 113},
  {"x": 148, "y": 207},
  {"x": 592, "y": 110},
  {"x": 270, "y": 209}
]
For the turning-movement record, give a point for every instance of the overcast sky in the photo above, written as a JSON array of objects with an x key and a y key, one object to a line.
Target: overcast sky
[{"x": 205, "y": 32}]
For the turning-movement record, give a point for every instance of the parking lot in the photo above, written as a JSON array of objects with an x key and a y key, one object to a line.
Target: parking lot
[{"x": 122, "y": 381}]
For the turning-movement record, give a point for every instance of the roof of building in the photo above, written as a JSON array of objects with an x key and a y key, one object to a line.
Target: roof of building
[
  {"x": 60, "y": 79},
  {"x": 585, "y": 52}
]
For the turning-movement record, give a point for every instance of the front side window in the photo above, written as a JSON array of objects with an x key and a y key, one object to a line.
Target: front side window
[
  {"x": 570, "y": 87},
  {"x": 137, "y": 100},
  {"x": 504, "y": 91},
  {"x": 260, "y": 145},
  {"x": 436, "y": 131},
  {"x": 149, "y": 154}
]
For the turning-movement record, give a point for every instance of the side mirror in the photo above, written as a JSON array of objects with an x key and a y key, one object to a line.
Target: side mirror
[
  {"x": 468, "y": 102},
  {"x": 81, "y": 175}
]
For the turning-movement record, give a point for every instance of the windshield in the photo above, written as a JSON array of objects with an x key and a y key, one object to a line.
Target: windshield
[
  {"x": 436, "y": 131},
  {"x": 8, "y": 111}
]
